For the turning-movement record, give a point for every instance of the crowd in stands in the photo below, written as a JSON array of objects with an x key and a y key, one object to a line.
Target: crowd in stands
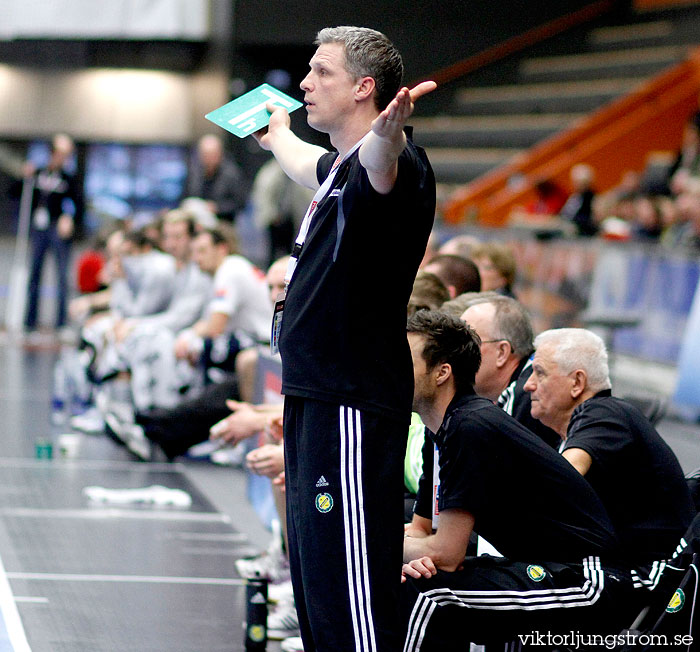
[
  {"x": 173, "y": 322},
  {"x": 659, "y": 205}
]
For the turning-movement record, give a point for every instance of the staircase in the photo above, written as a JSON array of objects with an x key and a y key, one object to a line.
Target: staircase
[{"x": 548, "y": 89}]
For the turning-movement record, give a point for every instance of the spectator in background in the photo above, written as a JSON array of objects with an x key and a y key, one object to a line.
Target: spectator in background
[
  {"x": 458, "y": 274},
  {"x": 81, "y": 309},
  {"x": 90, "y": 266},
  {"x": 685, "y": 230},
  {"x": 630, "y": 184},
  {"x": 460, "y": 245},
  {"x": 688, "y": 157},
  {"x": 52, "y": 225},
  {"x": 496, "y": 264},
  {"x": 279, "y": 205},
  {"x": 429, "y": 293},
  {"x": 216, "y": 179},
  {"x": 578, "y": 208},
  {"x": 619, "y": 222},
  {"x": 145, "y": 285},
  {"x": 238, "y": 315},
  {"x": 431, "y": 249},
  {"x": 648, "y": 222},
  {"x": 550, "y": 199},
  {"x": 455, "y": 307}
]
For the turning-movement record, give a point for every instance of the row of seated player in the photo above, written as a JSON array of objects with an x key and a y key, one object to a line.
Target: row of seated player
[
  {"x": 569, "y": 424},
  {"x": 179, "y": 303}
]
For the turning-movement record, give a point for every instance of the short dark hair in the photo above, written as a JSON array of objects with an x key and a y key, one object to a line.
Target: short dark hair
[
  {"x": 461, "y": 273},
  {"x": 428, "y": 293},
  {"x": 368, "y": 53},
  {"x": 223, "y": 234},
  {"x": 448, "y": 341},
  {"x": 139, "y": 238}
]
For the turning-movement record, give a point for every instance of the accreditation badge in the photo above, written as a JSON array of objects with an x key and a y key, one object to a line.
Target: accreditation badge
[{"x": 277, "y": 323}]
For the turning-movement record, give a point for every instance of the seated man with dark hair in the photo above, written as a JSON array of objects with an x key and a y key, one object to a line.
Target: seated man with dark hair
[
  {"x": 459, "y": 274},
  {"x": 561, "y": 570}
]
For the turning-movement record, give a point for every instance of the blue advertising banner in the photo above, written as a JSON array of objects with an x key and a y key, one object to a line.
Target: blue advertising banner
[{"x": 687, "y": 395}]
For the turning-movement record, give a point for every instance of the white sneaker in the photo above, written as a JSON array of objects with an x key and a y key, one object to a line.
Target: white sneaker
[
  {"x": 89, "y": 421},
  {"x": 116, "y": 427},
  {"x": 292, "y": 644},
  {"x": 283, "y": 622},
  {"x": 203, "y": 450},
  {"x": 271, "y": 564},
  {"x": 280, "y": 592},
  {"x": 137, "y": 442}
]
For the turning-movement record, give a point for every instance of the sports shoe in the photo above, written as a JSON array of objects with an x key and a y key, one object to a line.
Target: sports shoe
[
  {"x": 116, "y": 427},
  {"x": 271, "y": 565},
  {"x": 137, "y": 442},
  {"x": 292, "y": 644},
  {"x": 89, "y": 421},
  {"x": 283, "y": 622},
  {"x": 280, "y": 592}
]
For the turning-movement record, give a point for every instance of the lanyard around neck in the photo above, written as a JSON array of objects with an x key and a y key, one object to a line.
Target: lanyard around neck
[{"x": 318, "y": 198}]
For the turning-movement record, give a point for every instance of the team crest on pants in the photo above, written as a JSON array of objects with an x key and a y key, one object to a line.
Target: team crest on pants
[
  {"x": 536, "y": 573},
  {"x": 324, "y": 503},
  {"x": 256, "y": 633},
  {"x": 677, "y": 602}
]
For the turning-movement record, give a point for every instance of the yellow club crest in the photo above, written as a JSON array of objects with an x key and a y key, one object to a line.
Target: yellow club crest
[
  {"x": 324, "y": 503},
  {"x": 256, "y": 633},
  {"x": 677, "y": 602},
  {"x": 536, "y": 573}
]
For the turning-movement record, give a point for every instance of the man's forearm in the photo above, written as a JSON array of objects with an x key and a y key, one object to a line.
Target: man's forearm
[
  {"x": 415, "y": 547},
  {"x": 297, "y": 158},
  {"x": 380, "y": 155}
]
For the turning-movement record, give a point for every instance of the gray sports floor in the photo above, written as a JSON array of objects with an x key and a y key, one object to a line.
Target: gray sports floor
[{"x": 91, "y": 578}]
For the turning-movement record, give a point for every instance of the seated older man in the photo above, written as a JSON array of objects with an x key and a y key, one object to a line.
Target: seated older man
[{"x": 611, "y": 443}]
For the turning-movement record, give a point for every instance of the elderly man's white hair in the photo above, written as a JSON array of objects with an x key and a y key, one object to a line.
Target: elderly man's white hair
[{"x": 578, "y": 348}]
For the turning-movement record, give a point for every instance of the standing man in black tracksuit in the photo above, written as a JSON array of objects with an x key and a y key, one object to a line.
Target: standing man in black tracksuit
[{"x": 346, "y": 367}]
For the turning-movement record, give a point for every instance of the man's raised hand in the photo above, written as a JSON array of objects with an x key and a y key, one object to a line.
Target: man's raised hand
[{"x": 391, "y": 120}]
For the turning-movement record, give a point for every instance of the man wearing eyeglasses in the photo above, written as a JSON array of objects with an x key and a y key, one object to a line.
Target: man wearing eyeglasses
[{"x": 506, "y": 349}]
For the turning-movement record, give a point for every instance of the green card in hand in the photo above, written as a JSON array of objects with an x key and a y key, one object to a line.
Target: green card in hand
[{"x": 247, "y": 113}]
